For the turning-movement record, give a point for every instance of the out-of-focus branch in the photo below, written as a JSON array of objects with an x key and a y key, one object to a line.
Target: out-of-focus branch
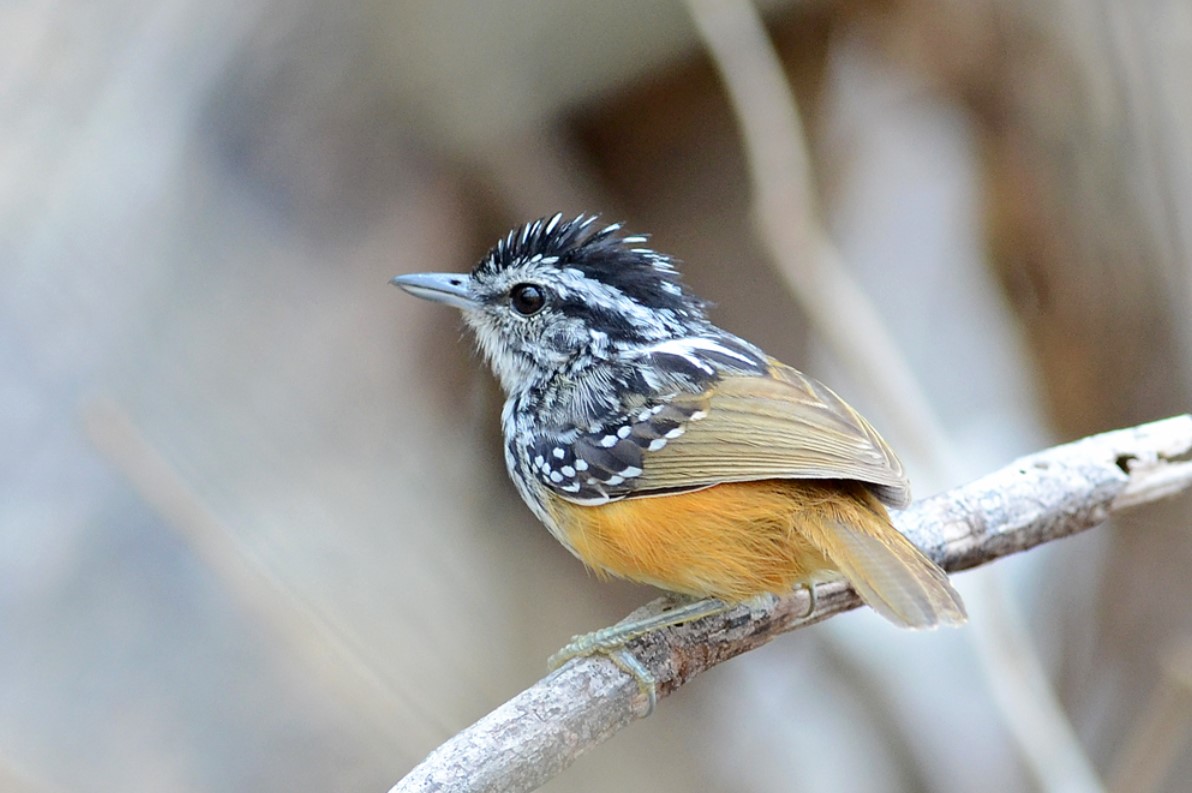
[
  {"x": 1039, "y": 498},
  {"x": 787, "y": 216},
  {"x": 311, "y": 638},
  {"x": 783, "y": 184},
  {"x": 1162, "y": 731}
]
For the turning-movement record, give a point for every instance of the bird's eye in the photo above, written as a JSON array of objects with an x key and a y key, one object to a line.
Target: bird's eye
[{"x": 527, "y": 299}]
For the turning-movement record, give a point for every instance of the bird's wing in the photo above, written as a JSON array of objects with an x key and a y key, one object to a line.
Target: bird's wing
[{"x": 781, "y": 425}]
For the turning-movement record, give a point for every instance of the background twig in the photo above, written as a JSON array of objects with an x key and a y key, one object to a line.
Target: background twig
[
  {"x": 1163, "y": 728},
  {"x": 788, "y": 222}
]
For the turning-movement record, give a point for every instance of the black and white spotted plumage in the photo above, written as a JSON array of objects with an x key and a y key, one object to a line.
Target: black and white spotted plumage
[
  {"x": 655, "y": 402},
  {"x": 598, "y": 466}
]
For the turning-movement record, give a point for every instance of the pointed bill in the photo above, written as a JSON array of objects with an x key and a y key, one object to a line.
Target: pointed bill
[{"x": 450, "y": 288}]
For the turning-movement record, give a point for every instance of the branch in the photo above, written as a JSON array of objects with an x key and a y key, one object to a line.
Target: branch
[{"x": 1043, "y": 497}]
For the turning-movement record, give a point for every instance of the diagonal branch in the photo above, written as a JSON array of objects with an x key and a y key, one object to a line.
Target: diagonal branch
[{"x": 1043, "y": 497}]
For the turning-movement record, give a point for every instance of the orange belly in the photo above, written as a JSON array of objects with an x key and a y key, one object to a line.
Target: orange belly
[{"x": 732, "y": 541}]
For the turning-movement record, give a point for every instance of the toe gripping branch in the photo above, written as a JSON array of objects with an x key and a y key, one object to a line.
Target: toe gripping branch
[{"x": 611, "y": 642}]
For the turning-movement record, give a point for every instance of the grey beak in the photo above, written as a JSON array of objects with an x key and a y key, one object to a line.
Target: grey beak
[{"x": 449, "y": 288}]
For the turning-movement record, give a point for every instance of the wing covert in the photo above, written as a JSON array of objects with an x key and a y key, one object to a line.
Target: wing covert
[
  {"x": 783, "y": 425},
  {"x": 607, "y": 464},
  {"x": 761, "y": 420}
]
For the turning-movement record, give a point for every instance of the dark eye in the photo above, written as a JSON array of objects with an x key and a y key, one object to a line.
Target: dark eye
[{"x": 527, "y": 299}]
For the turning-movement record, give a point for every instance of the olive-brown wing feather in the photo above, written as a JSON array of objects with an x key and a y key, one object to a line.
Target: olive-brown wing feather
[{"x": 784, "y": 425}]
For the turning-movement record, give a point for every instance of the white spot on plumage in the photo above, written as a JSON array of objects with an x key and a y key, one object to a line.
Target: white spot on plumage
[
  {"x": 539, "y": 461},
  {"x": 581, "y": 465},
  {"x": 608, "y": 441},
  {"x": 631, "y": 471},
  {"x": 712, "y": 345},
  {"x": 624, "y": 432},
  {"x": 568, "y": 471},
  {"x": 683, "y": 349},
  {"x": 571, "y": 488},
  {"x": 656, "y": 444},
  {"x": 558, "y": 453},
  {"x": 699, "y": 414},
  {"x": 556, "y": 477},
  {"x": 676, "y": 432},
  {"x": 614, "y": 480}
]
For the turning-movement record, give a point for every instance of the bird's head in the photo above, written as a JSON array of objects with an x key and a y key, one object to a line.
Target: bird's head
[{"x": 558, "y": 293}]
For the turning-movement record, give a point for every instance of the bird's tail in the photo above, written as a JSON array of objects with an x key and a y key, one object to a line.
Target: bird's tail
[{"x": 890, "y": 574}]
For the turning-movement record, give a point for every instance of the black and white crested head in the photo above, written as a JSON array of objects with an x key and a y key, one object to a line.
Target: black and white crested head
[
  {"x": 616, "y": 265},
  {"x": 555, "y": 292}
]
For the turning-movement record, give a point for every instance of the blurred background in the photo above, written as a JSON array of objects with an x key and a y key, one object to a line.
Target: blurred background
[{"x": 255, "y": 529}]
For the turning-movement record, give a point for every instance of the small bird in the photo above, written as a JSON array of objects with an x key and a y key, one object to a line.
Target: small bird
[{"x": 660, "y": 448}]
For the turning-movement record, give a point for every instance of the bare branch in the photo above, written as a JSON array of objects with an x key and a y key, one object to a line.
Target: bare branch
[{"x": 1043, "y": 497}]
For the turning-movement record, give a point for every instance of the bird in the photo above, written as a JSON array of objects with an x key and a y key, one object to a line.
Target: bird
[{"x": 660, "y": 448}]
